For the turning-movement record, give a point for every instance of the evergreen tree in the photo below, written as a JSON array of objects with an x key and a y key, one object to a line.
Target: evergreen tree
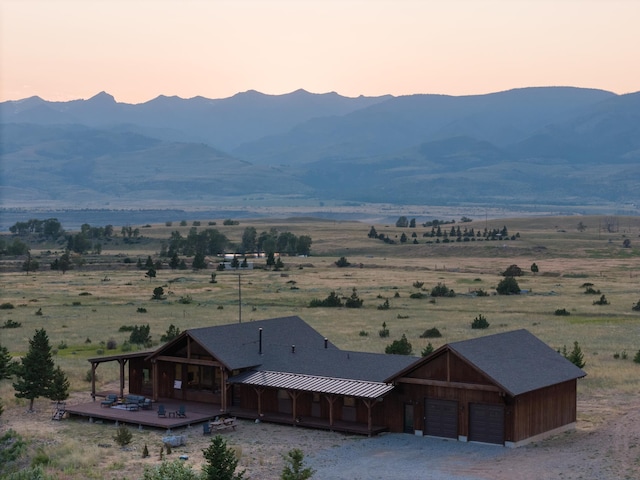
[
  {"x": 400, "y": 347},
  {"x": 36, "y": 370},
  {"x": 373, "y": 232},
  {"x": 59, "y": 386},
  {"x": 199, "y": 261},
  {"x": 294, "y": 466},
  {"x": 221, "y": 461},
  {"x": 174, "y": 262},
  {"x": 576, "y": 357},
  {"x": 7, "y": 365},
  {"x": 149, "y": 262}
]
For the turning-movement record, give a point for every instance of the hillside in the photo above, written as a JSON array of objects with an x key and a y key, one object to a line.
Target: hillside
[{"x": 560, "y": 146}]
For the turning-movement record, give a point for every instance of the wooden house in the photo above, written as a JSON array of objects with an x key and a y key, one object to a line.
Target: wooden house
[{"x": 503, "y": 388}]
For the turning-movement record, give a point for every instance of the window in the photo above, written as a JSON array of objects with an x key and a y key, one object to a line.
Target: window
[{"x": 349, "y": 402}]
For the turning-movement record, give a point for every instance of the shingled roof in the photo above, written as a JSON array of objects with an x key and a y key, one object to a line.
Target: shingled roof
[
  {"x": 290, "y": 345},
  {"x": 517, "y": 361}
]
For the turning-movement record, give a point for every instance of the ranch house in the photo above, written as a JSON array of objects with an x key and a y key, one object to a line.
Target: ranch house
[{"x": 507, "y": 388}]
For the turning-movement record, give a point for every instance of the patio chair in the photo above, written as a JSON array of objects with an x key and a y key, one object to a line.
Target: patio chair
[
  {"x": 182, "y": 412},
  {"x": 161, "y": 411},
  {"x": 206, "y": 428},
  {"x": 109, "y": 400}
]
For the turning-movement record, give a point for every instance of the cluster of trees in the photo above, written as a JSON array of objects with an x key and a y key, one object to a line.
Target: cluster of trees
[
  {"x": 442, "y": 234},
  {"x": 213, "y": 242},
  {"x": 49, "y": 228}
]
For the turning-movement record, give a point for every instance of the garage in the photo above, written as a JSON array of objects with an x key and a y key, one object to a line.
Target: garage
[
  {"x": 486, "y": 423},
  {"x": 441, "y": 418}
]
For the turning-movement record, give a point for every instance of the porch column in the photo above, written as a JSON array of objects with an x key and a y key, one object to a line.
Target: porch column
[
  {"x": 294, "y": 400},
  {"x": 331, "y": 399},
  {"x": 154, "y": 380},
  {"x": 94, "y": 365},
  {"x": 259, "y": 393},
  {"x": 122, "y": 363},
  {"x": 223, "y": 390},
  {"x": 369, "y": 403}
]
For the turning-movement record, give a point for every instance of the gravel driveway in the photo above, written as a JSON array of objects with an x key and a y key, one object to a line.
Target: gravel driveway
[{"x": 401, "y": 456}]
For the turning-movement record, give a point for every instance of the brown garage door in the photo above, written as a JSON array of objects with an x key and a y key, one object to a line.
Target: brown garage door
[
  {"x": 486, "y": 423},
  {"x": 441, "y": 418}
]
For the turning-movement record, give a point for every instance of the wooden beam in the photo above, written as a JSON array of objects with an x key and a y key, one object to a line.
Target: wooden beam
[
  {"x": 94, "y": 366},
  {"x": 189, "y": 361},
  {"x": 442, "y": 383},
  {"x": 154, "y": 380}
]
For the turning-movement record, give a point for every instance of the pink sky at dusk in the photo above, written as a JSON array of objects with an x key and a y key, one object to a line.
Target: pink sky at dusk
[{"x": 139, "y": 49}]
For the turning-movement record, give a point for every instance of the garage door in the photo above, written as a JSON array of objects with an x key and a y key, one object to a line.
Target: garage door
[
  {"x": 441, "y": 418},
  {"x": 486, "y": 423}
]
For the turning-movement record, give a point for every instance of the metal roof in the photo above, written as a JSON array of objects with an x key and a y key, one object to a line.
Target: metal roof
[{"x": 312, "y": 383}]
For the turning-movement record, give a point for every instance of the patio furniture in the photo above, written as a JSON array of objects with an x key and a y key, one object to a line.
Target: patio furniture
[
  {"x": 223, "y": 424},
  {"x": 181, "y": 412},
  {"x": 110, "y": 400},
  {"x": 161, "y": 411},
  {"x": 206, "y": 429}
]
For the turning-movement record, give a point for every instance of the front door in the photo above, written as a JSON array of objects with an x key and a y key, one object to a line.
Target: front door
[{"x": 408, "y": 418}]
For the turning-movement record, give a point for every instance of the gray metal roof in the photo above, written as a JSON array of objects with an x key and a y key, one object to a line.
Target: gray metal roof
[
  {"x": 312, "y": 383},
  {"x": 517, "y": 361}
]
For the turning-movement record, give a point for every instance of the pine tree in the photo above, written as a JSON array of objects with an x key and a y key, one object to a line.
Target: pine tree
[
  {"x": 6, "y": 363},
  {"x": 59, "y": 386},
  {"x": 36, "y": 370},
  {"x": 221, "y": 461},
  {"x": 294, "y": 463},
  {"x": 576, "y": 357}
]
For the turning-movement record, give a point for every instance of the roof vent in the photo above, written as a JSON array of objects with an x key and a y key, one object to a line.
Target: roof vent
[
  {"x": 326, "y": 342},
  {"x": 260, "y": 341},
  {"x": 293, "y": 349}
]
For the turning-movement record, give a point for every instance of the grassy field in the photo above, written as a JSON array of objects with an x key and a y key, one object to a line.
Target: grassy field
[{"x": 84, "y": 308}]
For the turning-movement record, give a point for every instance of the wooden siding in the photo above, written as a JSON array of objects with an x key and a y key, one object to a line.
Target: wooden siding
[{"x": 542, "y": 410}]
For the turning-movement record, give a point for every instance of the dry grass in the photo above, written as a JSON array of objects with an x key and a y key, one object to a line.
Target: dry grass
[{"x": 109, "y": 294}]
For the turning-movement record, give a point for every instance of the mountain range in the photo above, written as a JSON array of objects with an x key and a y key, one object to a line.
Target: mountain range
[{"x": 560, "y": 146}]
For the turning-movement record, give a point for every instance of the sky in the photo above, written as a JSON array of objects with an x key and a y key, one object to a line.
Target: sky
[{"x": 138, "y": 49}]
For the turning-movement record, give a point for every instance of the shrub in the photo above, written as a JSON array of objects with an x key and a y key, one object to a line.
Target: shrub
[
  {"x": 512, "y": 271},
  {"x": 562, "y": 312},
  {"x": 185, "y": 299},
  {"x": 427, "y": 350},
  {"x": 481, "y": 293},
  {"x": 575, "y": 356},
  {"x": 636, "y": 359},
  {"x": 480, "y": 322},
  {"x": 342, "y": 262},
  {"x": 145, "y": 450},
  {"x": 294, "y": 466},
  {"x": 123, "y": 436},
  {"x": 140, "y": 335},
  {"x": 431, "y": 333},
  {"x": 603, "y": 301},
  {"x": 385, "y": 305},
  {"x": 333, "y": 300},
  {"x": 508, "y": 286},
  {"x": 353, "y": 301},
  {"x": 363, "y": 333},
  {"x": 172, "y": 332},
  {"x": 417, "y": 295},
  {"x": 158, "y": 293},
  {"x": 141, "y": 310},
  {"x": 126, "y": 328},
  {"x": 62, "y": 345},
  {"x": 11, "y": 324},
  {"x": 417, "y": 284},
  {"x": 636, "y": 307},
  {"x": 441, "y": 290},
  {"x": 175, "y": 470},
  {"x": 6, "y": 306},
  {"x": 384, "y": 333},
  {"x": 112, "y": 344},
  {"x": 400, "y": 347},
  {"x": 591, "y": 291}
]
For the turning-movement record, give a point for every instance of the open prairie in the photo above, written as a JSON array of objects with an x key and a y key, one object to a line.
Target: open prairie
[{"x": 84, "y": 308}]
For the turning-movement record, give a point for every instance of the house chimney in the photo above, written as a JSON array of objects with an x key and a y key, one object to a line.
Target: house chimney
[
  {"x": 326, "y": 342},
  {"x": 260, "y": 341},
  {"x": 293, "y": 349}
]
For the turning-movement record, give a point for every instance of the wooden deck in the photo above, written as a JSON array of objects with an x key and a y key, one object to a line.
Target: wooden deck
[{"x": 198, "y": 412}]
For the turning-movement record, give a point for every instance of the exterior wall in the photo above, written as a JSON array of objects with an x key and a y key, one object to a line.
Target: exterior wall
[
  {"x": 543, "y": 410},
  {"x": 415, "y": 395},
  {"x": 140, "y": 377}
]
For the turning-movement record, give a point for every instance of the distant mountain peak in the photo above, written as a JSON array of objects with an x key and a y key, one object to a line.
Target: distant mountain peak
[{"x": 103, "y": 98}]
